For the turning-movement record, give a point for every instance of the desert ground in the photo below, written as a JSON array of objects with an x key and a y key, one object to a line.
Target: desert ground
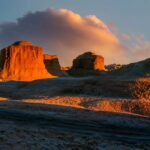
[
  {"x": 73, "y": 113},
  {"x": 74, "y": 75}
]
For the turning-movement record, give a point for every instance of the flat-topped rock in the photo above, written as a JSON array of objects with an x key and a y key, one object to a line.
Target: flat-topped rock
[
  {"x": 89, "y": 61},
  {"x": 22, "y": 61}
]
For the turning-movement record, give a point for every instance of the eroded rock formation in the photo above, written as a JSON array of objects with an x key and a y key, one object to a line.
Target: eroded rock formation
[
  {"x": 52, "y": 64},
  {"x": 89, "y": 61},
  {"x": 22, "y": 61}
]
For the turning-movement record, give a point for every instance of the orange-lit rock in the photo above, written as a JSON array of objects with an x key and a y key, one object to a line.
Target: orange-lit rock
[
  {"x": 65, "y": 68},
  {"x": 89, "y": 61},
  {"x": 52, "y": 64},
  {"x": 22, "y": 61}
]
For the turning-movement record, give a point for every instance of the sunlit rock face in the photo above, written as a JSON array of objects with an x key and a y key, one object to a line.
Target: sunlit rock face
[
  {"x": 89, "y": 61},
  {"x": 22, "y": 61},
  {"x": 52, "y": 64}
]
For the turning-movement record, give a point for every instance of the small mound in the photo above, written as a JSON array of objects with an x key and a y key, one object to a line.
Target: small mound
[
  {"x": 122, "y": 106},
  {"x": 139, "y": 107}
]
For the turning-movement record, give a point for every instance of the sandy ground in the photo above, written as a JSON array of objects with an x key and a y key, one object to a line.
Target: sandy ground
[
  {"x": 45, "y": 124},
  {"x": 41, "y": 115},
  {"x": 129, "y": 106}
]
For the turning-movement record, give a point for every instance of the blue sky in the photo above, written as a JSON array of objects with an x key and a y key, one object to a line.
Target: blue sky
[{"x": 131, "y": 16}]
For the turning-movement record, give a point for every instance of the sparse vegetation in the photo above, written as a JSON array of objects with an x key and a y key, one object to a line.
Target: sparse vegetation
[{"x": 140, "y": 90}]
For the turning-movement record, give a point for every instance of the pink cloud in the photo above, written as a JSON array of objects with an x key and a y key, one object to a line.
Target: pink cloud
[
  {"x": 66, "y": 34},
  {"x": 62, "y": 32},
  {"x": 141, "y": 49},
  {"x": 125, "y": 37},
  {"x": 112, "y": 26}
]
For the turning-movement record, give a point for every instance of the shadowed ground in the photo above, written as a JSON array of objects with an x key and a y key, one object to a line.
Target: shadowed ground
[{"x": 55, "y": 114}]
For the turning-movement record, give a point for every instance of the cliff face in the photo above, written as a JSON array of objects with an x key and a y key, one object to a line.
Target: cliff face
[
  {"x": 89, "y": 61},
  {"x": 52, "y": 64},
  {"x": 22, "y": 61}
]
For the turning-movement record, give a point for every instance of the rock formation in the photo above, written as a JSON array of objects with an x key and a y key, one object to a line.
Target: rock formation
[
  {"x": 52, "y": 64},
  {"x": 89, "y": 61},
  {"x": 113, "y": 67},
  {"x": 22, "y": 61}
]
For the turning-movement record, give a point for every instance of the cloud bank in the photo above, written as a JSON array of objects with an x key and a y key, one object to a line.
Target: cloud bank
[{"x": 66, "y": 34}]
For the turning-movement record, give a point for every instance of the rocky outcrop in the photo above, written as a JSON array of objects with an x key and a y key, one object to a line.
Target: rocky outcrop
[
  {"x": 89, "y": 61},
  {"x": 113, "y": 67},
  {"x": 65, "y": 68},
  {"x": 87, "y": 64},
  {"x": 22, "y": 61},
  {"x": 52, "y": 64}
]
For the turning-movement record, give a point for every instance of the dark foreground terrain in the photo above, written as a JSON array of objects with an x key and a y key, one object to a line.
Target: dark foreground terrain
[
  {"x": 54, "y": 114},
  {"x": 66, "y": 130}
]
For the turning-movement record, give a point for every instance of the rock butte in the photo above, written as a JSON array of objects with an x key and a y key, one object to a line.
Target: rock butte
[
  {"x": 22, "y": 61},
  {"x": 89, "y": 61}
]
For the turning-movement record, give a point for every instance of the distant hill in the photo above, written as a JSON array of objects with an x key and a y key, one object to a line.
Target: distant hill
[{"x": 138, "y": 69}]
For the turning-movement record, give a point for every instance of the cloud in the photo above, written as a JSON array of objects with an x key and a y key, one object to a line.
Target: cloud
[
  {"x": 140, "y": 50},
  {"x": 125, "y": 37},
  {"x": 112, "y": 26},
  {"x": 62, "y": 32},
  {"x": 67, "y": 34}
]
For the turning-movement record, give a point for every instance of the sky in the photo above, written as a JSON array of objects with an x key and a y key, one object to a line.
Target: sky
[{"x": 116, "y": 29}]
